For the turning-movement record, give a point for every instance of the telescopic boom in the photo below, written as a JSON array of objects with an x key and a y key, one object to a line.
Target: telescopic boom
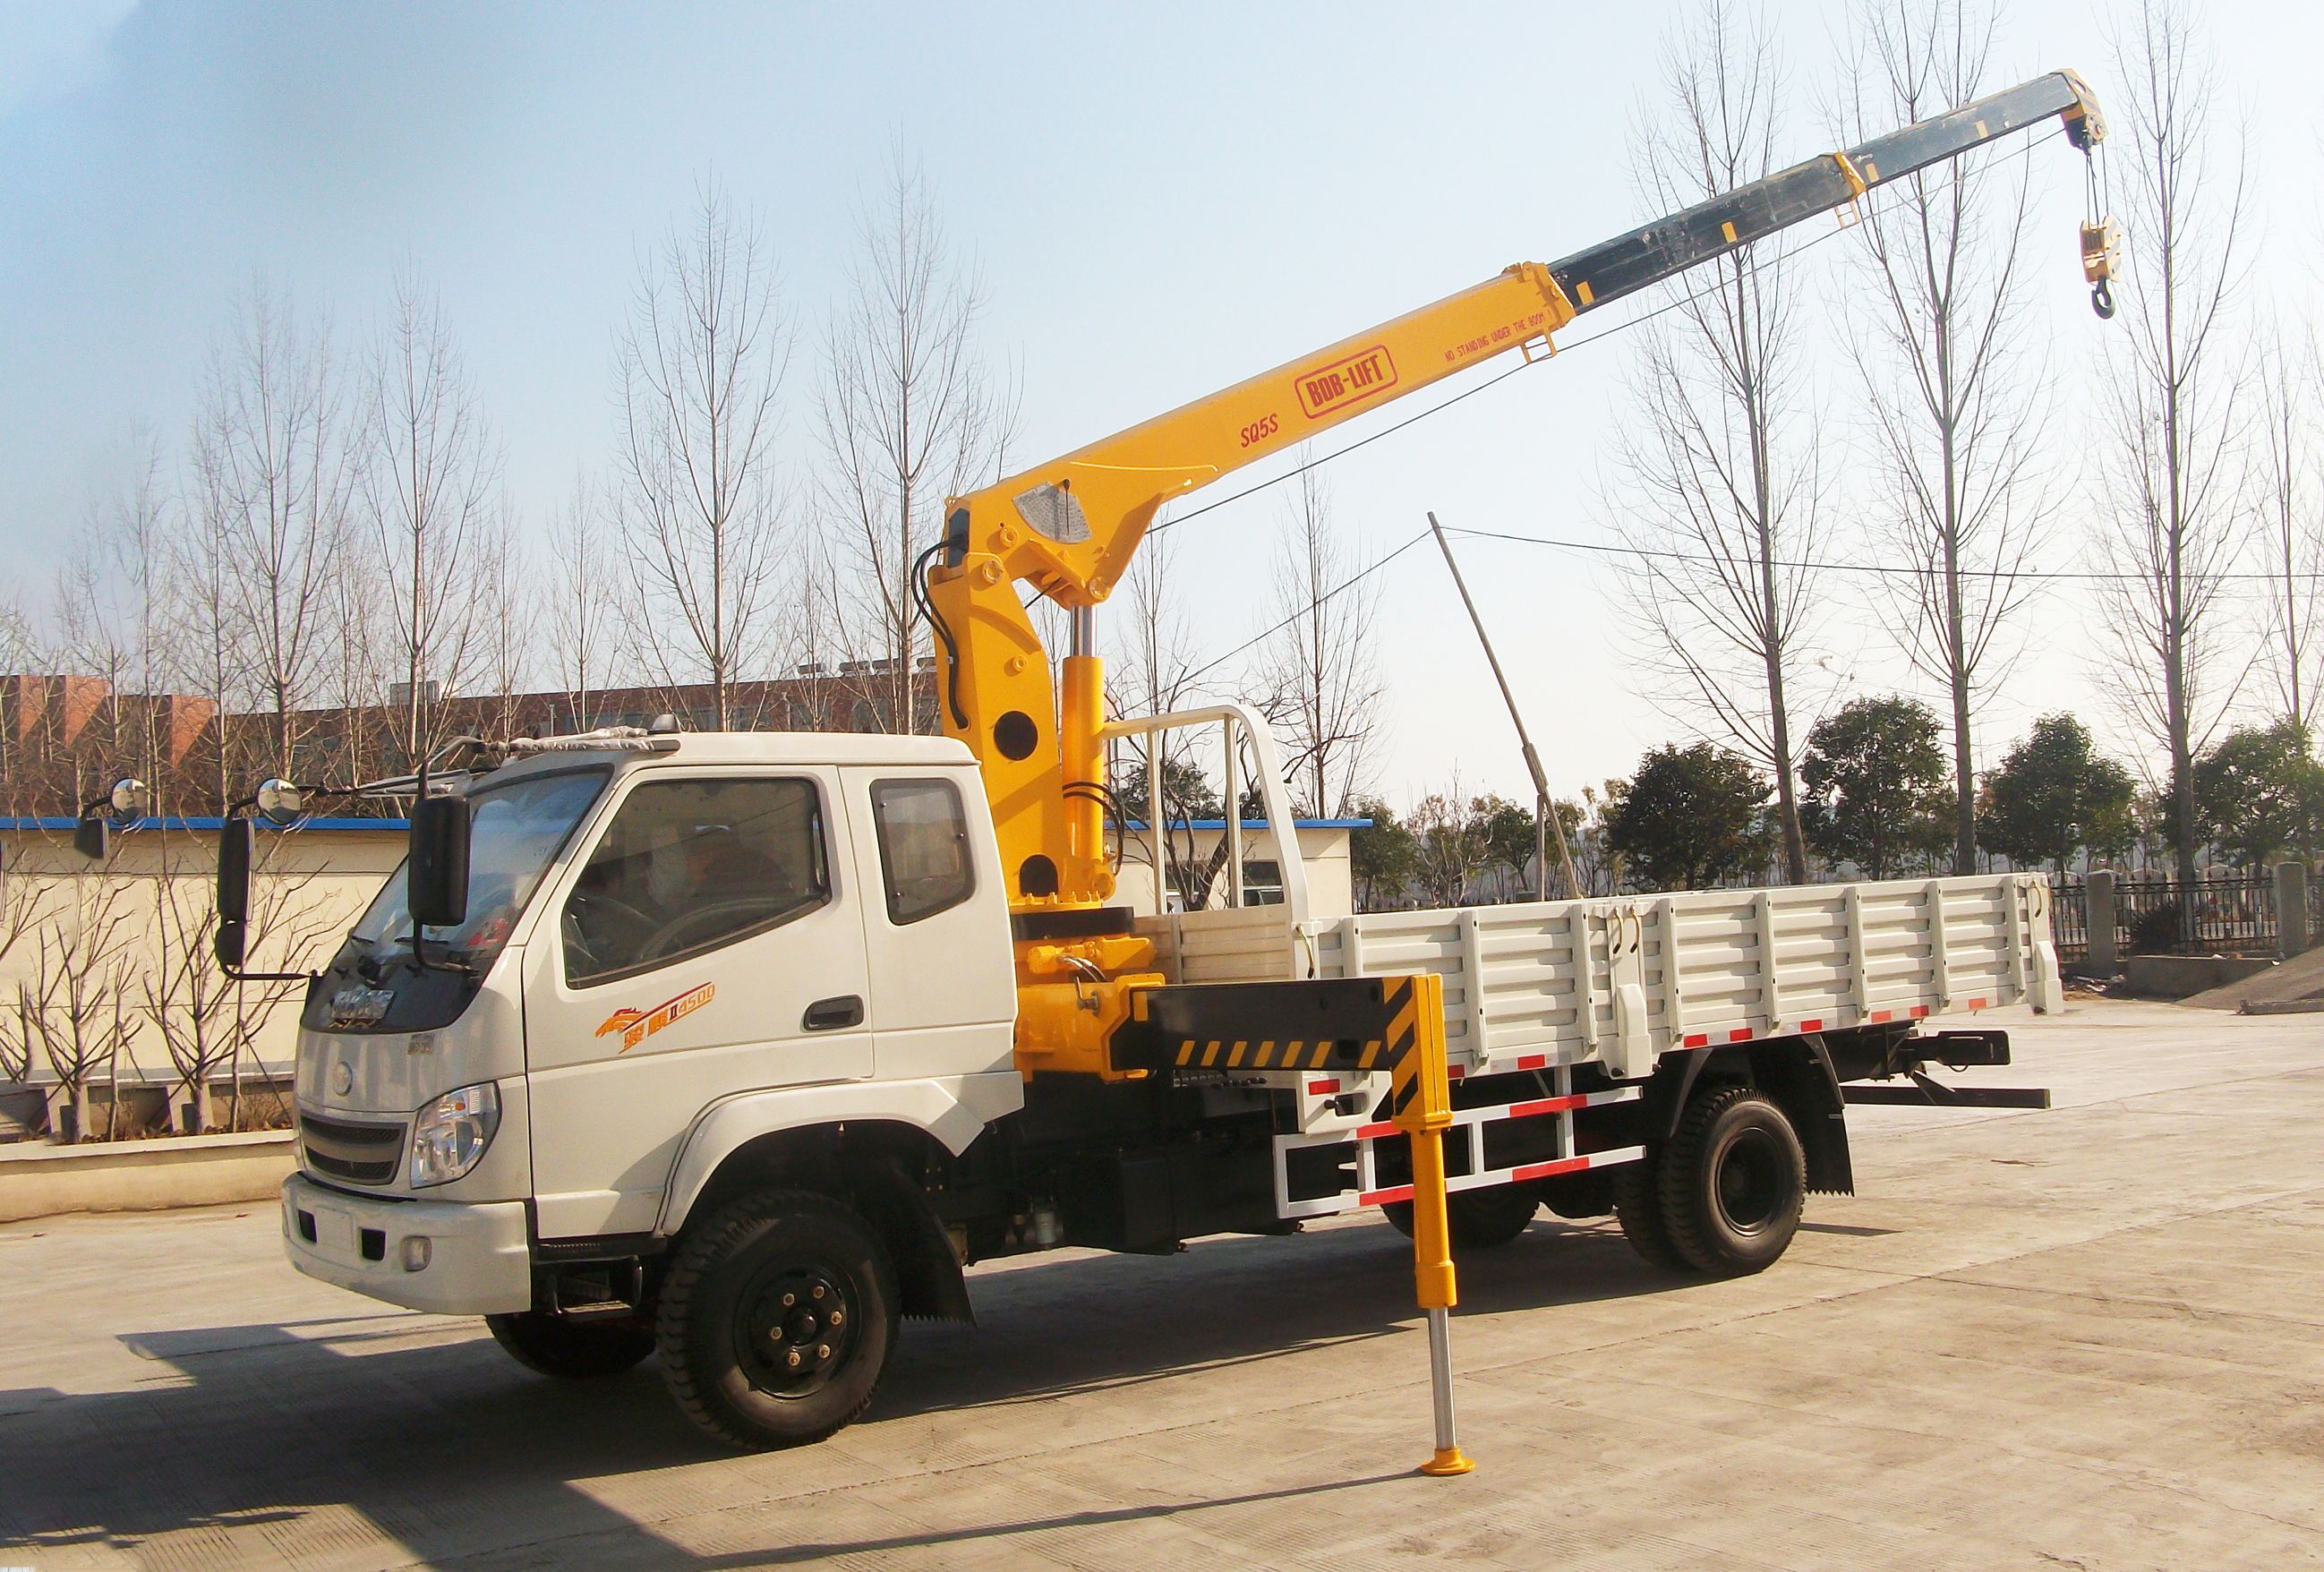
[{"x": 1069, "y": 527}]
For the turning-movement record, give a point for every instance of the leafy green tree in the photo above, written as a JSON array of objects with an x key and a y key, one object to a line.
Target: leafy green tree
[
  {"x": 1876, "y": 777},
  {"x": 1382, "y": 860},
  {"x": 1689, "y": 817},
  {"x": 2260, "y": 792},
  {"x": 1508, "y": 831},
  {"x": 2053, "y": 794}
]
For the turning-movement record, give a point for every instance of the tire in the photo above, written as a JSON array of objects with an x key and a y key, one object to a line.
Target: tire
[
  {"x": 778, "y": 1319},
  {"x": 1733, "y": 1182},
  {"x": 1476, "y": 1219},
  {"x": 570, "y": 1350},
  {"x": 1638, "y": 1206}
]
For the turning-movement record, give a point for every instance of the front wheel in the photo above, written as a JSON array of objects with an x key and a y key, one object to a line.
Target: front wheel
[
  {"x": 570, "y": 1350},
  {"x": 1733, "y": 1182},
  {"x": 778, "y": 1317}
]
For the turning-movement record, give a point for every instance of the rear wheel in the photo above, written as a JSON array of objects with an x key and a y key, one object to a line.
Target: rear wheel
[
  {"x": 1733, "y": 1182},
  {"x": 1638, "y": 1206},
  {"x": 778, "y": 1317},
  {"x": 570, "y": 1350},
  {"x": 1476, "y": 1219}
]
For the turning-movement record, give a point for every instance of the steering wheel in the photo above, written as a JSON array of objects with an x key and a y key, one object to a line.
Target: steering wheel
[
  {"x": 702, "y": 923},
  {"x": 595, "y": 903}
]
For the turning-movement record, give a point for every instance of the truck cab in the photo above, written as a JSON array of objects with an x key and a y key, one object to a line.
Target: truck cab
[{"x": 672, "y": 947}]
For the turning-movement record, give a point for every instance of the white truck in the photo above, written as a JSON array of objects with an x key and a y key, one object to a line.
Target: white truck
[{"x": 739, "y": 1048}]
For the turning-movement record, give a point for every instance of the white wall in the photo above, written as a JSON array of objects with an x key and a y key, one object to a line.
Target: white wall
[
  {"x": 1330, "y": 887},
  {"x": 311, "y": 885}
]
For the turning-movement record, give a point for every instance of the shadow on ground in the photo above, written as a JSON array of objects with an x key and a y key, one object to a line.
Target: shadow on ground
[{"x": 450, "y": 1450}]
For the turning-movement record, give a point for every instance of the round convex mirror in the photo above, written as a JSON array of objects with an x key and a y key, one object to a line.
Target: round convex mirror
[
  {"x": 280, "y": 800},
  {"x": 129, "y": 798}
]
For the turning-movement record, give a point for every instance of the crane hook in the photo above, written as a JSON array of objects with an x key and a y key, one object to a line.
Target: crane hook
[{"x": 2102, "y": 301}]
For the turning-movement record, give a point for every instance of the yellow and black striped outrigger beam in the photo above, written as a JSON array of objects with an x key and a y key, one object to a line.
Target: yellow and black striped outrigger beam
[{"x": 1352, "y": 1025}]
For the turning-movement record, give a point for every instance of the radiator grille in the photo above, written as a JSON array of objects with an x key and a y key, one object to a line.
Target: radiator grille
[{"x": 355, "y": 1154}]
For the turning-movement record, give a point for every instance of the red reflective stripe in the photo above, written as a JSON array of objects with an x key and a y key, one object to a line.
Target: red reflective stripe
[
  {"x": 1815, "y": 1025},
  {"x": 1454, "y": 1072},
  {"x": 1374, "y": 1132},
  {"x": 1740, "y": 1034},
  {"x": 1695, "y": 1040},
  {"x": 1544, "y": 1106},
  {"x": 1381, "y": 1197},
  {"x": 1919, "y": 1010},
  {"x": 1544, "y": 1170},
  {"x": 1321, "y": 1088},
  {"x": 1532, "y": 1061},
  {"x": 1881, "y": 1015},
  {"x": 1977, "y": 1003}
]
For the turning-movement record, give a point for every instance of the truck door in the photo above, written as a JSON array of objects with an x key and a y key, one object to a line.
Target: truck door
[
  {"x": 944, "y": 981},
  {"x": 710, "y": 942}
]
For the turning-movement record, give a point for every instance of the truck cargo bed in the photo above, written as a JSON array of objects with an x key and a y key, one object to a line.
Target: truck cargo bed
[{"x": 1623, "y": 980}]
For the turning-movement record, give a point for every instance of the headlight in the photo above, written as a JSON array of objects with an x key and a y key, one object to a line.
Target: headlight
[{"x": 451, "y": 1133}]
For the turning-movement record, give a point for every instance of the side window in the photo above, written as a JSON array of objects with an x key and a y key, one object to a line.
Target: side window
[
  {"x": 688, "y": 866},
  {"x": 923, "y": 847}
]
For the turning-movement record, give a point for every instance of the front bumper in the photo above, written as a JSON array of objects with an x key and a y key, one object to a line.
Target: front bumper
[{"x": 479, "y": 1258}]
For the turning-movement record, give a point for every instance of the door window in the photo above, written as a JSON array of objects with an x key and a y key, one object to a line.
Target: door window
[
  {"x": 689, "y": 865},
  {"x": 923, "y": 847}
]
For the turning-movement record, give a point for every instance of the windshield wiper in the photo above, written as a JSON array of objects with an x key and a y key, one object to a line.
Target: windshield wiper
[{"x": 447, "y": 961}]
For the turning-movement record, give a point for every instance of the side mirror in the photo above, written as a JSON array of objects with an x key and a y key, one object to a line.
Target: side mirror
[
  {"x": 93, "y": 837},
  {"x": 280, "y": 801},
  {"x": 237, "y": 839},
  {"x": 437, "y": 875},
  {"x": 129, "y": 798}
]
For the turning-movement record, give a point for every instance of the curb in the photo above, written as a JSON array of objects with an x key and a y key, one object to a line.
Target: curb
[{"x": 143, "y": 1176}]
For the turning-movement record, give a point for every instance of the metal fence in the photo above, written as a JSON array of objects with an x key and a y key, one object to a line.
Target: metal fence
[{"x": 2232, "y": 910}]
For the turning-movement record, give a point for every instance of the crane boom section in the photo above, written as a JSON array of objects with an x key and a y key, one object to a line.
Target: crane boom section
[{"x": 1068, "y": 527}]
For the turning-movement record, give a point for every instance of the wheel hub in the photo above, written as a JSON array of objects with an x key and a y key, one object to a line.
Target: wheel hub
[
  {"x": 1749, "y": 1184},
  {"x": 797, "y": 1328}
]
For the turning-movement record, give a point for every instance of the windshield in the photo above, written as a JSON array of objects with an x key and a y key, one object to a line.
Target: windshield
[{"x": 516, "y": 829}]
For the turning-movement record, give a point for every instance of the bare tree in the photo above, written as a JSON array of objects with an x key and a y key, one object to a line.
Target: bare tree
[
  {"x": 1951, "y": 388},
  {"x": 1318, "y": 670},
  {"x": 702, "y": 365},
  {"x": 270, "y": 478},
  {"x": 1155, "y": 674},
  {"x": 908, "y": 413},
  {"x": 507, "y": 605},
  {"x": 430, "y": 476},
  {"x": 2171, "y": 536},
  {"x": 211, "y": 634},
  {"x": 583, "y": 619},
  {"x": 2289, "y": 528},
  {"x": 1721, "y": 510},
  {"x": 78, "y": 960}
]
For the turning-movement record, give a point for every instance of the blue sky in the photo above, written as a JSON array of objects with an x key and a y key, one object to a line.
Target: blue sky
[{"x": 1162, "y": 200}]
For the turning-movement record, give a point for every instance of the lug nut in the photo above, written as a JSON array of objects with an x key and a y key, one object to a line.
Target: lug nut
[
  {"x": 836, "y": 1316},
  {"x": 790, "y": 1299},
  {"x": 823, "y": 1351},
  {"x": 793, "y": 1360},
  {"x": 818, "y": 1290}
]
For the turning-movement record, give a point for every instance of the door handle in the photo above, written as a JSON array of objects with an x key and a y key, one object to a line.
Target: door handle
[{"x": 830, "y": 1014}]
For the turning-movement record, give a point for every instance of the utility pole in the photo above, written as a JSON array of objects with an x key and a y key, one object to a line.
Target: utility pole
[{"x": 1545, "y": 820}]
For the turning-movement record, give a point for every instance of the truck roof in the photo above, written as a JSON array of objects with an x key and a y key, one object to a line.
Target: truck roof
[{"x": 755, "y": 747}]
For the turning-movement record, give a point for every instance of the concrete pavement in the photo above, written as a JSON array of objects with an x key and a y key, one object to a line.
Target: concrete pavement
[{"x": 2083, "y": 1337}]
